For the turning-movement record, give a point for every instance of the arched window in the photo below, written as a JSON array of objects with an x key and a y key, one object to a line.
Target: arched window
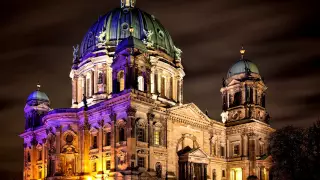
[
  {"x": 108, "y": 139},
  {"x": 156, "y": 138},
  {"x": 263, "y": 100},
  {"x": 251, "y": 95},
  {"x": 214, "y": 174},
  {"x": 120, "y": 78},
  {"x": 39, "y": 155},
  {"x": 121, "y": 134},
  {"x": 94, "y": 142},
  {"x": 140, "y": 134},
  {"x": 28, "y": 157},
  {"x": 225, "y": 102},
  {"x": 140, "y": 83},
  {"x": 158, "y": 170},
  {"x": 237, "y": 98}
]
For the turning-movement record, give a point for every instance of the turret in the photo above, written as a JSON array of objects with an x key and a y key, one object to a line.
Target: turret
[
  {"x": 243, "y": 93},
  {"x": 37, "y": 105}
]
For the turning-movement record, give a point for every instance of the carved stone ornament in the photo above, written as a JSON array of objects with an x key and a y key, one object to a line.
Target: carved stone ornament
[
  {"x": 150, "y": 116},
  {"x": 141, "y": 123},
  {"x": 131, "y": 112},
  {"x": 224, "y": 116},
  {"x": 122, "y": 157}
]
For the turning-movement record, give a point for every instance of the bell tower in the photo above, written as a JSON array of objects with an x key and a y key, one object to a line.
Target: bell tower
[{"x": 243, "y": 94}]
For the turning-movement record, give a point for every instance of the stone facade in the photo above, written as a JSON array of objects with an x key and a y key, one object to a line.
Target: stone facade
[{"x": 128, "y": 120}]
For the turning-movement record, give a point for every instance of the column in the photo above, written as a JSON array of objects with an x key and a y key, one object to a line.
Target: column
[
  {"x": 95, "y": 80},
  {"x": 228, "y": 149},
  {"x": 159, "y": 77},
  {"x": 100, "y": 145},
  {"x": 252, "y": 155},
  {"x": 33, "y": 155},
  {"x": 108, "y": 79},
  {"x": 180, "y": 90},
  {"x": 79, "y": 89},
  {"x": 74, "y": 90},
  {"x": 243, "y": 95},
  {"x": 156, "y": 82},
  {"x": 113, "y": 164},
  {"x": 43, "y": 160},
  {"x": 152, "y": 80}
]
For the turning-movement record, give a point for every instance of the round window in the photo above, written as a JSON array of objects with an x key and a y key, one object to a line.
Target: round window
[
  {"x": 69, "y": 138},
  {"x": 160, "y": 33},
  {"x": 125, "y": 26}
]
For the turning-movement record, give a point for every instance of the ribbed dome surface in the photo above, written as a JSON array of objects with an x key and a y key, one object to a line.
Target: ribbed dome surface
[
  {"x": 115, "y": 26},
  {"x": 242, "y": 66}
]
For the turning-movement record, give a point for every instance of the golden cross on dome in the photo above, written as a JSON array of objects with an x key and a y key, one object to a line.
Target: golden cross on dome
[{"x": 242, "y": 51}]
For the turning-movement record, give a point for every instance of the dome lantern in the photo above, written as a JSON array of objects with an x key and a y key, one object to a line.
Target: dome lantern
[{"x": 128, "y": 3}]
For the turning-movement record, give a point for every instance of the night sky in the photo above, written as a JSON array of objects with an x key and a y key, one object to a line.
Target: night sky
[{"x": 281, "y": 37}]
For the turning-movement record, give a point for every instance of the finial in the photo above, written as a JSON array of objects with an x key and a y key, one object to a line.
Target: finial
[
  {"x": 38, "y": 86},
  {"x": 128, "y": 3},
  {"x": 242, "y": 51},
  {"x": 131, "y": 30}
]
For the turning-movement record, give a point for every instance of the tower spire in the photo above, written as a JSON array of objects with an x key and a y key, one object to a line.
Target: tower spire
[
  {"x": 128, "y": 3},
  {"x": 242, "y": 51}
]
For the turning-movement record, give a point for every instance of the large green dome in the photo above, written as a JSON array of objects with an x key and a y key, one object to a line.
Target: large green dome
[
  {"x": 115, "y": 26},
  {"x": 242, "y": 66}
]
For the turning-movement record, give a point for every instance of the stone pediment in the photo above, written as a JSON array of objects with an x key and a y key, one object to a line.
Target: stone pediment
[
  {"x": 193, "y": 155},
  {"x": 198, "y": 153},
  {"x": 234, "y": 82},
  {"x": 189, "y": 111}
]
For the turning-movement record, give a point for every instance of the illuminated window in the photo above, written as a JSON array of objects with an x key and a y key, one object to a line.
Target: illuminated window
[
  {"x": 213, "y": 149},
  {"x": 156, "y": 137},
  {"x": 140, "y": 83},
  {"x": 140, "y": 161},
  {"x": 94, "y": 167},
  {"x": 140, "y": 134},
  {"x": 108, "y": 165},
  {"x": 121, "y": 80}
]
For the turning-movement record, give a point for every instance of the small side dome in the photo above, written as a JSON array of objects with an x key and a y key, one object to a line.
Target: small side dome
[
  {"x": 242, "y": 66},
  {"x": 38, "y": 96}
]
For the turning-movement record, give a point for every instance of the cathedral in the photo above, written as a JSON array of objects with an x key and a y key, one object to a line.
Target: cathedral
[{"x": 127, "y": 118}]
